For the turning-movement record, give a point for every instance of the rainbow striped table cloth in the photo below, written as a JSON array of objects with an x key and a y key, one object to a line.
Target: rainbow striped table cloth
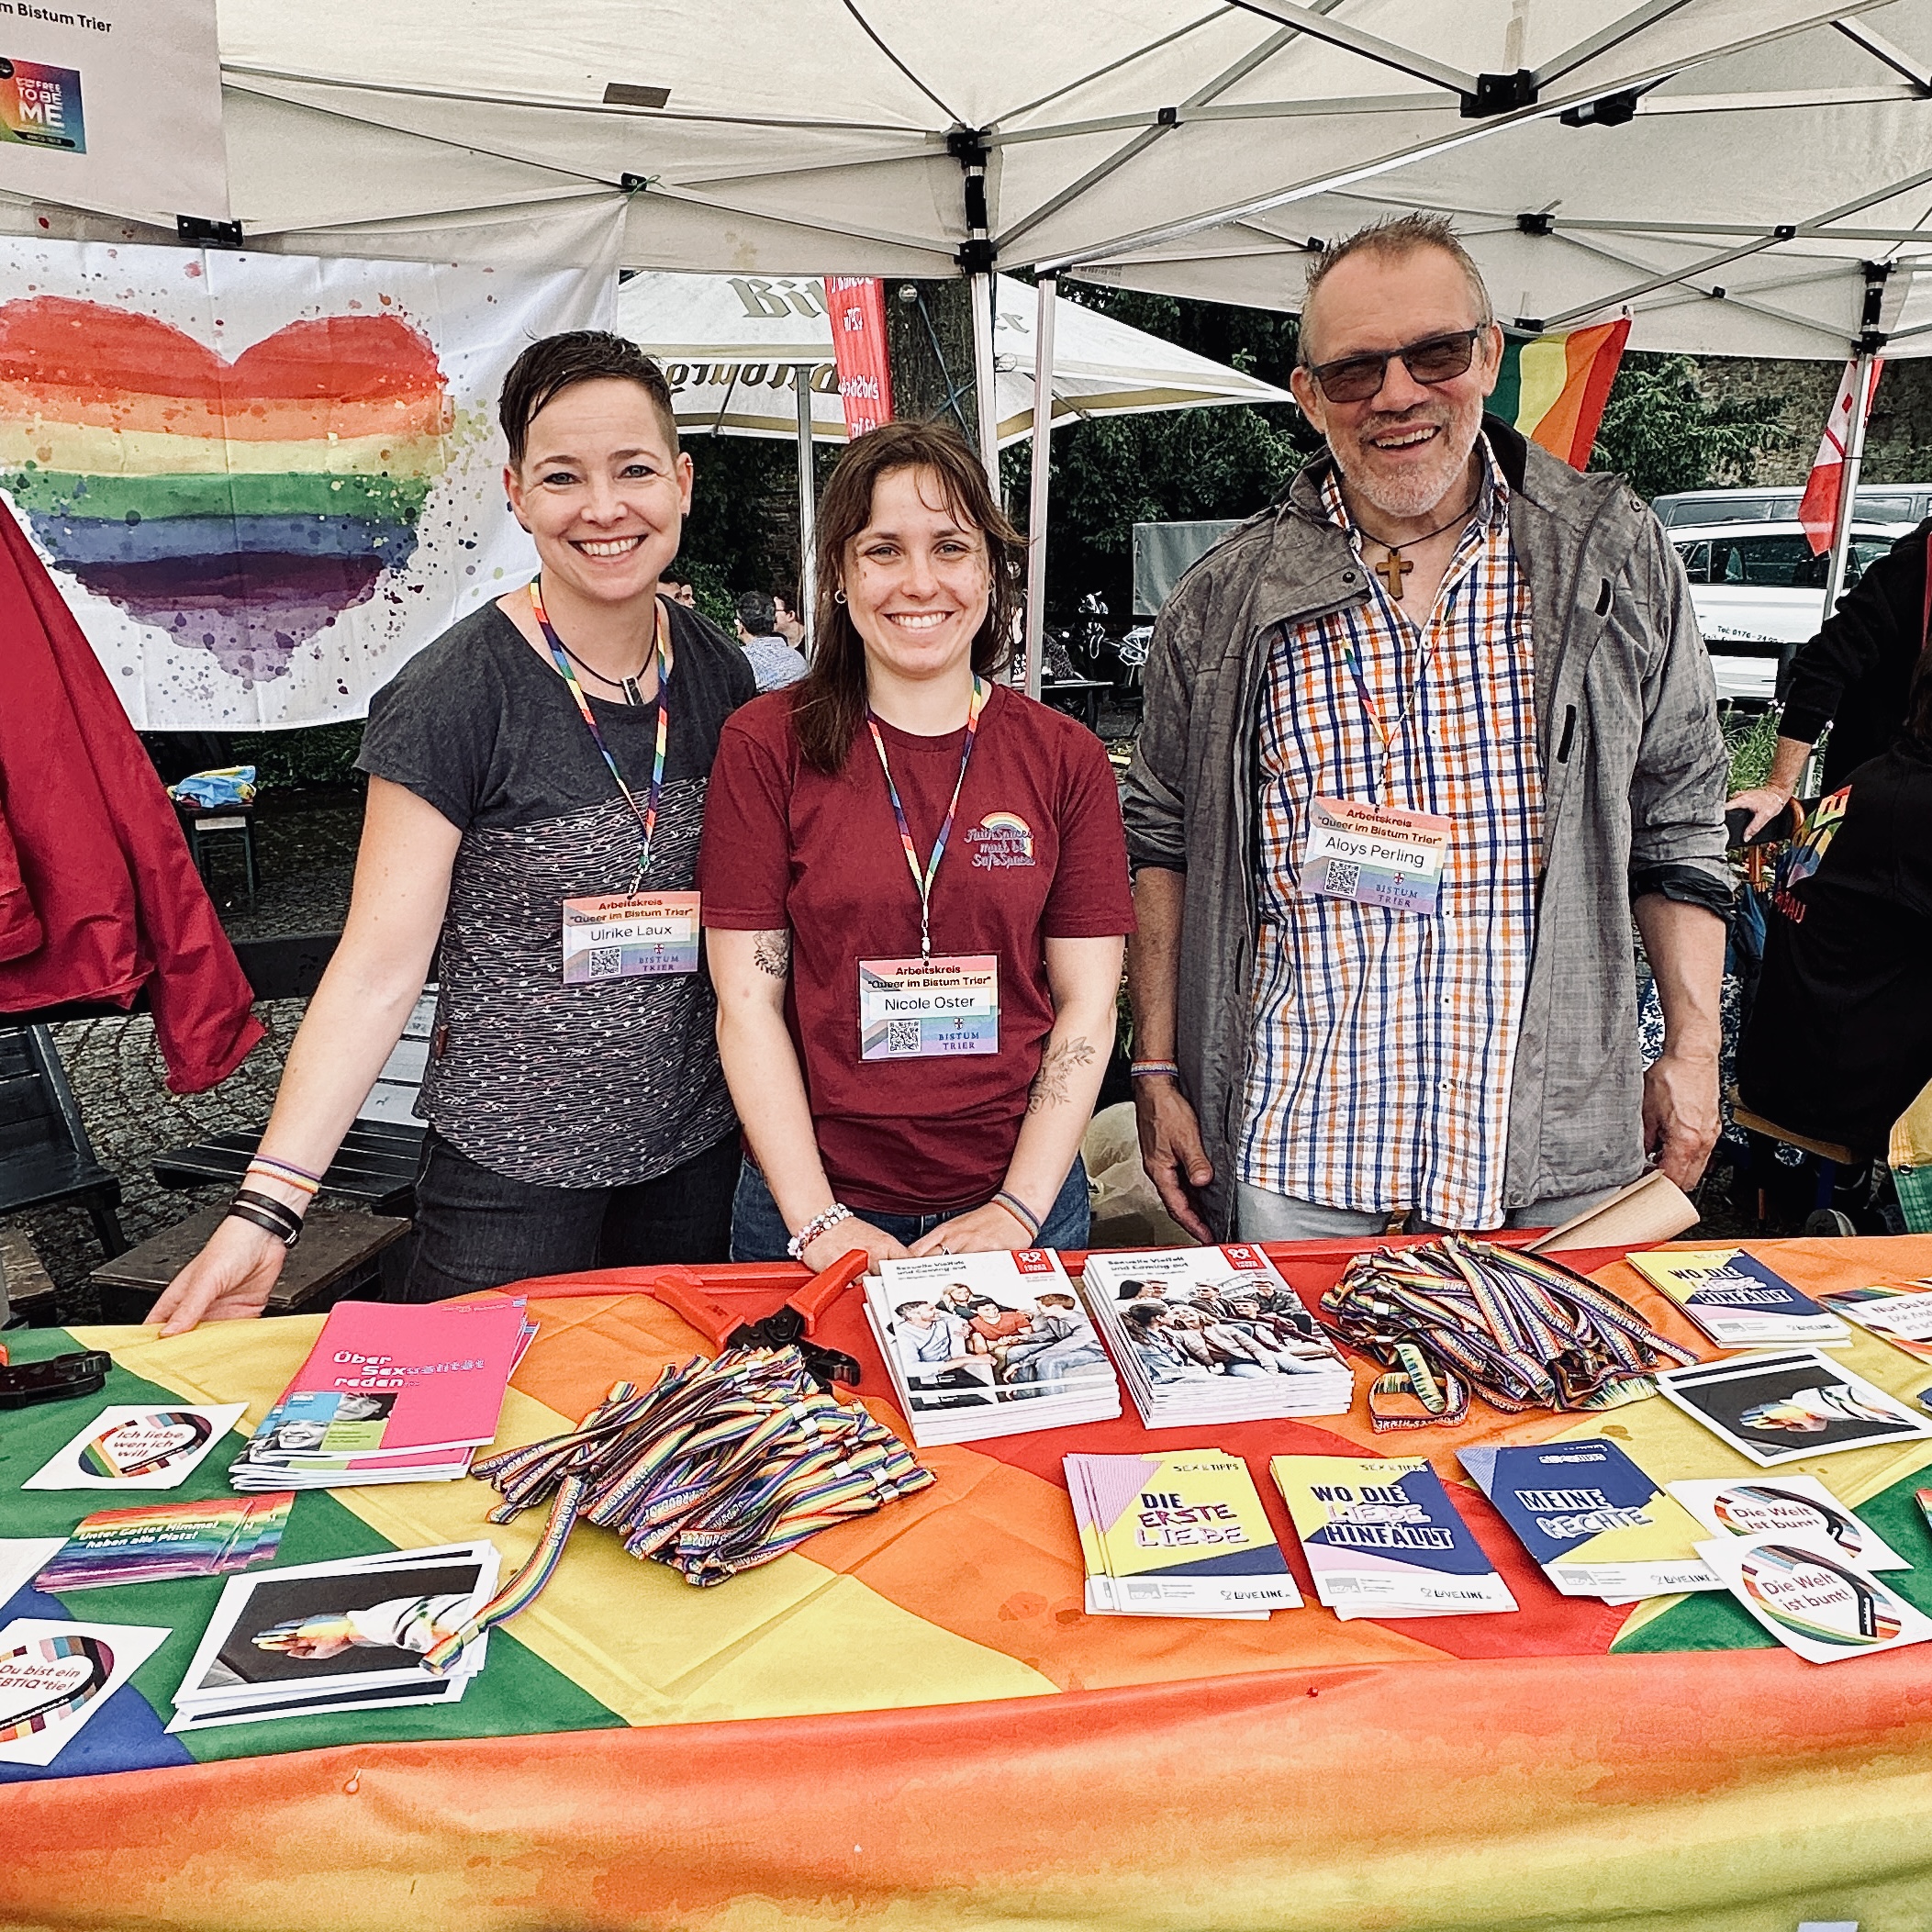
[{"x": 909, "y": 1722}]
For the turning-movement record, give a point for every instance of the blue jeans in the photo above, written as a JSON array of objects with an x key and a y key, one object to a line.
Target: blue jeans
[{"x": 759, "y": 1233}]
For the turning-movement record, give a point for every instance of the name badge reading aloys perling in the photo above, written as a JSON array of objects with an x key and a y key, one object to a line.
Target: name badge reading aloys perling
[
  {"x": 1374, "y": 854},
  {"x": 929, "y": 1008},
  {"x": 629, "y": 935}
]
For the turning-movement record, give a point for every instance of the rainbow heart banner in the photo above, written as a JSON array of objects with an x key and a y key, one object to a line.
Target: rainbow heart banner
[
  {"x": 263, "y": 481},
  {"x": 1553, "y": 387}
]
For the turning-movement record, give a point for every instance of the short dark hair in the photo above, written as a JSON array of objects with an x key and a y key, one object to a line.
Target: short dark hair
[
  {"x": 830, "y": 704},
  {"x": 558, "y": 362},
  {"x": 758, "y": 614}
]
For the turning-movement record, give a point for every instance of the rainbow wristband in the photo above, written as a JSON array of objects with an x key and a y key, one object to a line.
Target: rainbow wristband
[
  {"x": 285, "y": 1170},
  {"x": 1153, "y": 1071},
  {"x": 1021, "y": 1212}
]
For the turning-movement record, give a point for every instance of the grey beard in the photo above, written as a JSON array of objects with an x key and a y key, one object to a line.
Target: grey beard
[{"x": 1414, "y": 495}]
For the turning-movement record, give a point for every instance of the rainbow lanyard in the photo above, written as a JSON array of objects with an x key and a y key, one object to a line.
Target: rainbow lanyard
[
  {"x": 922, "y": 880},
  {"x": 1387, "y": 733},
  {"x": 646, "y": 815}
]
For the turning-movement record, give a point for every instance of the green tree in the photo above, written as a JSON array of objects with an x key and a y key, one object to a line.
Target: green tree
[
  {"x": 1661, "y": 431},
  {"x": 1113, "y": 472}
]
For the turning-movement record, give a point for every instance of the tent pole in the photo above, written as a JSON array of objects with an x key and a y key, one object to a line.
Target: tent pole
[
  {"x": 808, "y": 511},
  {"x": 1036, "y": 501},
  {"x": 1849, "y": 478},
  {"x": 985, "y": 397}
]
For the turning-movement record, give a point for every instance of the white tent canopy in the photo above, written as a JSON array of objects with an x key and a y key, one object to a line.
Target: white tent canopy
[
  {"x": 1733, "y": 213},
  {"x": 859, "y": 136},
  {"x": 733, "y": 347}
]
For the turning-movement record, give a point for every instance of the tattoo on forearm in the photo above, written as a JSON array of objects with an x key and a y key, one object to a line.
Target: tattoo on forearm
[
  {"x": 1049, "y": 1088},
  {"x": 773, "y": 953}
]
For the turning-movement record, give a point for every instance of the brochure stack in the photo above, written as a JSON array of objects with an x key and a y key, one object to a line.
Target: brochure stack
[
  {"x": 980, "y": 1345},
  {"x": 1595, "y": 1522},
  {"x": 1214, "y": 1334},
  {"x": 389, "y": 1393},
  {"x": 1183, "y": 1535},
  {"x": 1383, "y": 1539},
  {"x": 336, "y": 1637}
]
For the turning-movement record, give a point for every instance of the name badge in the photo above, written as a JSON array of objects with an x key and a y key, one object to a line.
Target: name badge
[
  {"x": 926, "y": 1008},
  {"x": 629, "y": 935},
  {"x": 1374, "y": 854}
]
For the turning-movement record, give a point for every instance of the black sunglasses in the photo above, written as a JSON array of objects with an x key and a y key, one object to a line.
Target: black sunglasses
[{"x": 1436, "y": 359}]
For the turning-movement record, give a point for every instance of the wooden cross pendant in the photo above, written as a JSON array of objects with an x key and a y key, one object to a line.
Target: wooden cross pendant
[{"x": 1392, "y": 569}]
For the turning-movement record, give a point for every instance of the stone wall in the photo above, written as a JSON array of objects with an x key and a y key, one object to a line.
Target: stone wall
[{"x": 1898, "y": 440}]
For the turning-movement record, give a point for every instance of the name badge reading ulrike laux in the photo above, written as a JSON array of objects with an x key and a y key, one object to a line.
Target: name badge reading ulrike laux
[
  {"x": 629, "y": 935},
  {"x": 929, "y": 1008},
  {"x": 1374, "y": 854}
]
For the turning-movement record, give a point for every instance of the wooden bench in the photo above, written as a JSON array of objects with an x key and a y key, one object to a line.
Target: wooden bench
[
  {"x": 45, "y": 1157},
  {"x": 377, "y": 1161},
  {"x": 342, "y": 1253}
]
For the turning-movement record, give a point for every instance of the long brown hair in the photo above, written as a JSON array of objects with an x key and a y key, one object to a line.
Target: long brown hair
[{"x": 830, "y": 704}]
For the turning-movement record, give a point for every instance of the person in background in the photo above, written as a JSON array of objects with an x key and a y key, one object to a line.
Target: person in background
[
  {"x": 548, "y": 753},
  {"x": 915, "y": 891},
  {"x": 1838, "y": 1044},
  {"x": 680, "y": 590},
  {"x": 791, "y": 626},
  {"x": 1853, "y": 676},
  {"x": 1444, "y": 644},
  {"x": 772, "y": 661}
]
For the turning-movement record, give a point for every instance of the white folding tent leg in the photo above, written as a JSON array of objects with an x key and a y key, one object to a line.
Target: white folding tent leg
[
  {"x": 985, "y": 397},
  {"x": 1848, "y": 478},
  {"x": 808, "y": 511},
  {"x": 1042, "y": 476}
]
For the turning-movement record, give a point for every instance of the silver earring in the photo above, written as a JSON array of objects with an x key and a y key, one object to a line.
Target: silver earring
[{"x": 838, "y": 597}]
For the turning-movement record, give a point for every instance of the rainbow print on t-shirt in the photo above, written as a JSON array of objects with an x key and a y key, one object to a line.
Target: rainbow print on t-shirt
[{"x": 240, "y": 505}]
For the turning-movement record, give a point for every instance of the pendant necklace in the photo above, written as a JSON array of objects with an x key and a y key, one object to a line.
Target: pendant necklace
[{"x": 1394, "y": 567}]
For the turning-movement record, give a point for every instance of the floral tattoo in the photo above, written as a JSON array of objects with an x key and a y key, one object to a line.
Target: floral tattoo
[
  {"x": 773, "y": 953},
  {"x": 1049, "y": 1088}
]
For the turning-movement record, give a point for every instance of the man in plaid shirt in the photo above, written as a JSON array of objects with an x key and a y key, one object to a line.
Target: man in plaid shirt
[{"x": 1419, "y": 740}]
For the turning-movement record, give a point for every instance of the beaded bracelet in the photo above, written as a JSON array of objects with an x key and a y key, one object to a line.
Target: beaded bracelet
[
  {"x": 1152, "y": 1069},
  {"x": 1021, "y": 1212},
  {"x": 818, "y": 1224}
]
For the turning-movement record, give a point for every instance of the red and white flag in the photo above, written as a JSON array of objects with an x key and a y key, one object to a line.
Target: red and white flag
[
  {"x": 1819, "y": 510},
  {"x": 855, "y": 305}
]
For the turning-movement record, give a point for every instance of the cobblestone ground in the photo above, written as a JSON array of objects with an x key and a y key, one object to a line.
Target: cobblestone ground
[{"x": 304, "y": 854}]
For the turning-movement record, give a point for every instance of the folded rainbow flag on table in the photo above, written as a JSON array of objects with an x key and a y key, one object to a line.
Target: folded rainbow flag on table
[{"x": 1553, "y": 387}]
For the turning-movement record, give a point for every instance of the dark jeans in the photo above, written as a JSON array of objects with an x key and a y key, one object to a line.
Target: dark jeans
[
  {"x": 759, "y": 1233},
  {"x": 479, "y": 1229}
]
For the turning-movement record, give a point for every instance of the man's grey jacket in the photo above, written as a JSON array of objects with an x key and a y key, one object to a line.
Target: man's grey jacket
[{"x": 1634, "y": 768}]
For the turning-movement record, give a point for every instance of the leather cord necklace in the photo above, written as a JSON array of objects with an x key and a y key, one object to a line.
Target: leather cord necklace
[
  {"x": 1394, "y": 567},
  {"x": 628, "y": 686}
]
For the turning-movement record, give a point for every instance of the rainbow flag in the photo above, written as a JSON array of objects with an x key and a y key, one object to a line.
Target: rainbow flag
[
  {"x": 1553, "y": 387},
  {"x": 240, "y": 505}
]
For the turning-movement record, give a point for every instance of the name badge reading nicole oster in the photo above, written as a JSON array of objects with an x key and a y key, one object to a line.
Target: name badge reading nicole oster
[
  {"x": 929, "y": 1008},
  {"x": 1374, "y": 854},
  {"x": 629, "y": 935}
]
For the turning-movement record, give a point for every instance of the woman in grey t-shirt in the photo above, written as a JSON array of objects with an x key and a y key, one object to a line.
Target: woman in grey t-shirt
[{"x": 536, "y": 783}]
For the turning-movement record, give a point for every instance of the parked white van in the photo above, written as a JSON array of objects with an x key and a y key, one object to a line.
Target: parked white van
[{"x": 1757, "y": 588}]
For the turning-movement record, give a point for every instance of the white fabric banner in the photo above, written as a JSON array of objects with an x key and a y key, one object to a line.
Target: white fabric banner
[
  {"x": 114, "y": 106},
  {"x": 263, "y": 481}
]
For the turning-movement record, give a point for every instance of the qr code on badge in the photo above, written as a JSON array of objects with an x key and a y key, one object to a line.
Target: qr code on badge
[
  {"x": 606, "y": 961},
  {"x": 902, "y": 1037},
  {"x": 1343, "y": 878}
]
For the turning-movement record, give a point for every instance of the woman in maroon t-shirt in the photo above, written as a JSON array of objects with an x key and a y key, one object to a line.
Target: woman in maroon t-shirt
[{"x": 915, "y": 895}]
